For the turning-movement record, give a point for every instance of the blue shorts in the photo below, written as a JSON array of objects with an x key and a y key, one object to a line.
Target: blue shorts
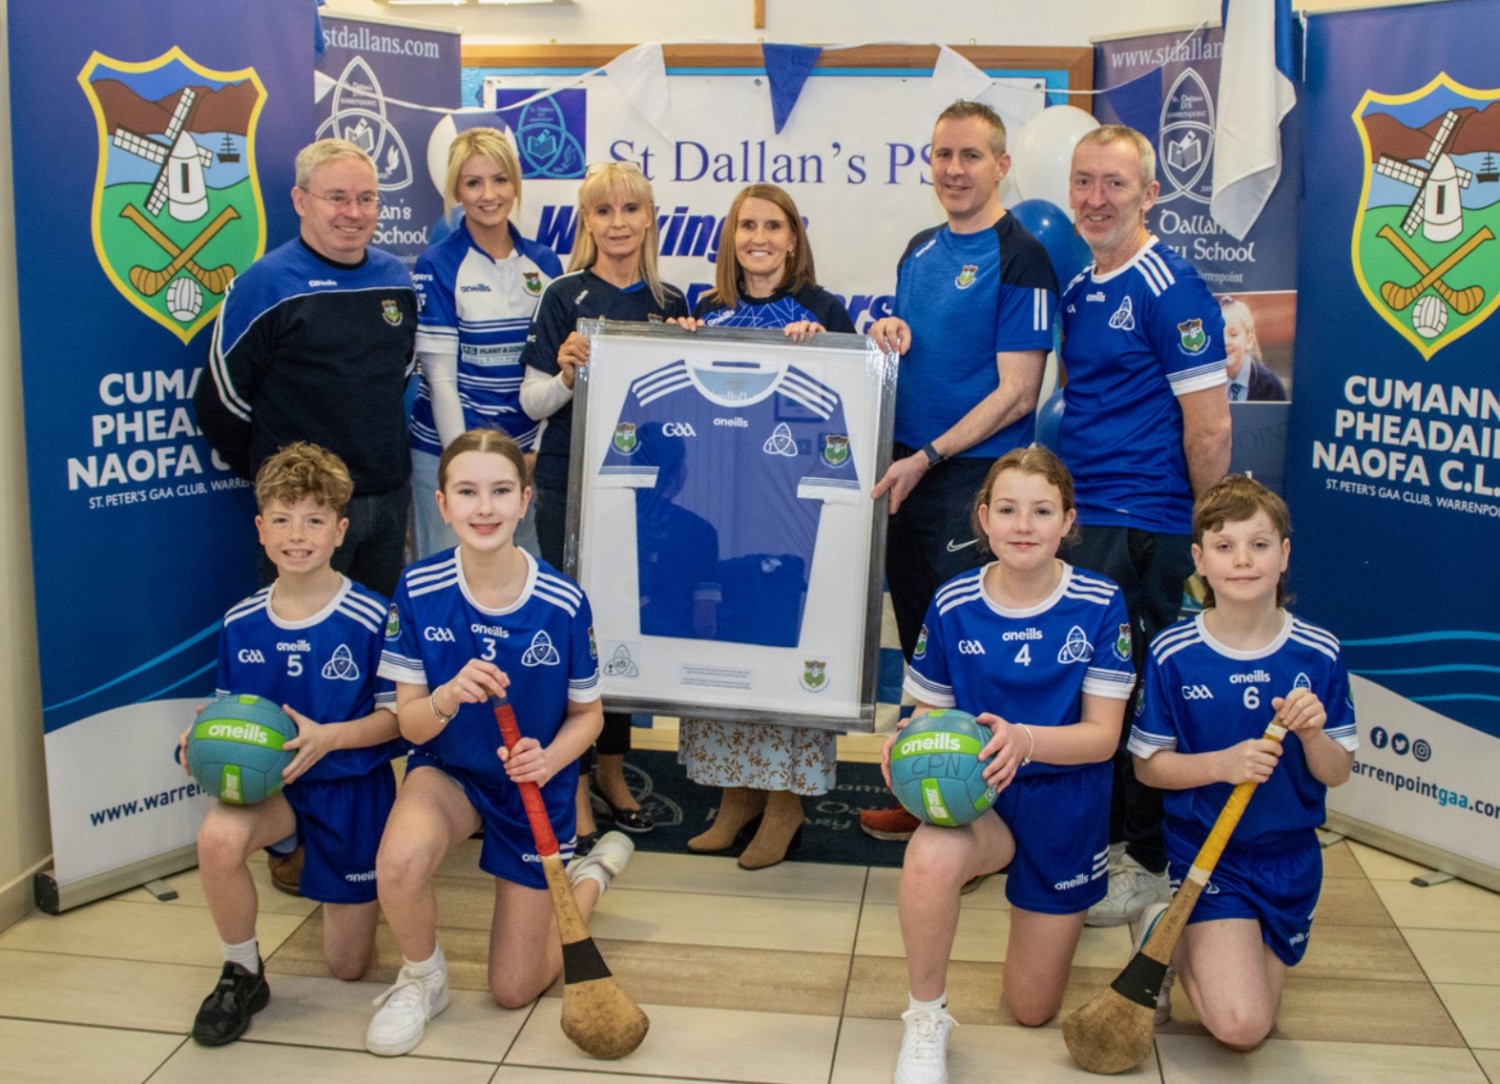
[
  {"x": 509, "y": 850},
  {"x": 1061, "y": 824},
  {"x": 1275, "y": 882},
  {"x": 339, "y": 822}
]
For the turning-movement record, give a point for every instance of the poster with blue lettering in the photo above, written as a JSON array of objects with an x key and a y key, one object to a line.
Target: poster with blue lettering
[
  {"x": 182, "y": 123},
  {"x": 386, "y": 86},
  {"x": 1394, "y": 445}
]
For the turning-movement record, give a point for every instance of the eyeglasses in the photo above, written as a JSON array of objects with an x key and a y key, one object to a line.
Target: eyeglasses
[
  {"x": 366, "y": 201},
  {"x": 599, "y": 167}
]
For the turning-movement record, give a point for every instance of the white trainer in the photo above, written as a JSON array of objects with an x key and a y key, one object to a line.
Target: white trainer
[
  {"x": 1132, "y": 888},
  {"x": 924, "y": 1047},
  {"x": 405, "y": 1009},
  {"x": 604, "y": 862},
  {"x": 1142, "y": 930}
]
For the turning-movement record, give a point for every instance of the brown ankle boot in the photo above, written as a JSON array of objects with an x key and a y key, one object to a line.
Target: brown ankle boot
[
  {"x": 780, "y": 830},
  {"x": 737, "y": 805}
]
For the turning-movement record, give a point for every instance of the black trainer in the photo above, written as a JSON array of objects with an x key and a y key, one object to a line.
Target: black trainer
[{"x": 225, "y": 1014}]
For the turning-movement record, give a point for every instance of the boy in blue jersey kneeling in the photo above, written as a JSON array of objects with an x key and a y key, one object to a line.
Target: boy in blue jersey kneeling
[
  {"x": 1212, "y": 684},
  {"x": 311, "y": 642}
]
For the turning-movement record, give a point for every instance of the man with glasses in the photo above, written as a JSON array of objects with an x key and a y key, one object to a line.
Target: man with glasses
[{"x": 315, "y": 342}]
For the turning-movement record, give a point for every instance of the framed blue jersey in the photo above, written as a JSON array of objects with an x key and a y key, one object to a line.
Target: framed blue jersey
[
  {"x": 1201, "y": 695},
  {"x": 1027, "y": 666},
  {"x": 723, "y": 524}
]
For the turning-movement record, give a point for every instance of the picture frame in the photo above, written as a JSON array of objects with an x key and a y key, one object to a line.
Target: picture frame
[{"x": 720, "y": 520}]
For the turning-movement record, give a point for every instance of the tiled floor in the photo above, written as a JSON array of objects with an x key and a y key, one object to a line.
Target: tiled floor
[{"x": 792, "y": 975}]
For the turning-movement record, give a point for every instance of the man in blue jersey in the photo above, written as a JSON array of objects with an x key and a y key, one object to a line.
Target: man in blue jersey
[
  {"x": 976, "y": 298},
  {"x": 1145, "y": 429},
  {"x": 314, "y": 342}
]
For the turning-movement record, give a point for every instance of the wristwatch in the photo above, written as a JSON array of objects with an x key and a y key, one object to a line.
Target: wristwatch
[{"x": 934, "y": 457}]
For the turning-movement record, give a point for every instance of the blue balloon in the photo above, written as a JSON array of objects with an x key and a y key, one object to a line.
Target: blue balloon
[
  {"x": 1049, "y": 420},
  {"x": 1050, "y": 225}
]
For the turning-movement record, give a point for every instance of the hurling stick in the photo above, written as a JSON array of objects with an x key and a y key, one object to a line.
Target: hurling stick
[
  {"x": 1112, "y": 1032},
  {"x": 598, "y": 1016}
]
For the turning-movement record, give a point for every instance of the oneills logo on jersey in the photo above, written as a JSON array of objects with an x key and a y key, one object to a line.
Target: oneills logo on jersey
[
  {"x": 391, "y": 311},
  {"x": 177, "y": 209},
  {"x": 966, "y": 276},
  {"x": 624, "y": 439},
  {"x": 814, "y": 675},
  {"x": 835, "y": 449},
  {"x": 1425, "y": 252}
]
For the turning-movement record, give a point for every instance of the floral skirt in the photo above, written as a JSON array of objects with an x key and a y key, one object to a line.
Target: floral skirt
[{"x": 763, "y": 756}]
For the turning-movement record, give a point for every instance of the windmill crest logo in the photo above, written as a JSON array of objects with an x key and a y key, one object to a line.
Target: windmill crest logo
[
  {"x": 1424, "y": 250},
  {"x": 177, "y": 209}
]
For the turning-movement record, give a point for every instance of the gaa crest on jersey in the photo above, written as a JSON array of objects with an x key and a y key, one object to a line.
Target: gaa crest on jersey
[
  {"x": 625, "y": 440},
  {"x": 391, "y": 311},
  {"x": 835, "y": 449},
  {"x": 177, "y": 209},
  {"x": 392, "y": 623},
  {"x": 1425, "y": 250},
  {"x": 814, "y": 675},
  {"x": 966, "y": 276},
  {"x": 921, "y": 649},
  {"x": 532, "y": 280},
  {"x": 1122, "y": 642},
  {"x": 1191, "y": 335}
]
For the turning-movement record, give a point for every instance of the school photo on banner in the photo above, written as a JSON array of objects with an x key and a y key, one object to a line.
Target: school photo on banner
[
  {"x": 187, "y": 127},
  {"x": 1394, "y": 456}
]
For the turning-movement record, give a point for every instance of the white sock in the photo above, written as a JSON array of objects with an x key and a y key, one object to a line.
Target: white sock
[
  {"x": 246, "y": 955},
  {"x": 931, "y": 1006},
  {"x": 421, "y": 969}
]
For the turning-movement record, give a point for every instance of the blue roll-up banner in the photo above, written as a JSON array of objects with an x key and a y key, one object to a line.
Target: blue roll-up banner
[
  {"x": 153, "y": 146},
  {"x": 1394, "y": 443},
  {"x": 387, "y": 86},
  {"x": 1167, "y": 86}
]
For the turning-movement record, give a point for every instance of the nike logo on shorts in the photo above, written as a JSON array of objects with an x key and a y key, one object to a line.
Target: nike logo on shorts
[{"x": 954, "y": 547}]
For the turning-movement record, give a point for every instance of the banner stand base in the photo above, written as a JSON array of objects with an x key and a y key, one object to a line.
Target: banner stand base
[
  {"x": 54, "y": 898},
  {"x": 1412, "y": 850}
]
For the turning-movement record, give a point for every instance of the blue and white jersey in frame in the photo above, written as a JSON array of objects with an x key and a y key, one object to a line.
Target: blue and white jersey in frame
[
  {"x": 1201, "y": 695},
  {"x": 1135, "y": 340},
  {"x": 732, "y": 462},
  {"x": 543, "y": 642},
  {"x": 1027, "y": 666},
  {"x": 325, "y": 666},
  {"x": 477, "y": 309}
]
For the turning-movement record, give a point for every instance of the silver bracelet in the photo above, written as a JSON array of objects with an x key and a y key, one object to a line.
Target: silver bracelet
[
  {"x": 1030, "y": 748},
  {"x": 436, "y": 711}
]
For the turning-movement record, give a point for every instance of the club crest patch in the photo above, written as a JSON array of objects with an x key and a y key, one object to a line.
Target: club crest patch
[
  {"x": 625, "y": 440},
  {"x": 1122, "y": 642},
  {"x": 814, "y": 675},
  {"x": 392, "y": 623},
  {"x": 835, "y": 449},
  {"x": 177, "y": 209},
  {"x": 921, "y": 649},
  {"x": 966, "y": 276},
  {"x": 532, "y": 281},
  {"x": 1425, "y": 251},
  {"x": 392, "y": 312},
  {"x": 1192, "y": 336}
]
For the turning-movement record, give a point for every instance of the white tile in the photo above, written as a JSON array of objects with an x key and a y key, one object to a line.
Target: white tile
[
  {"x": 44, "y": 1053},
  {"x": 1463, "y": 956},
  {"x": 1383, "y": 866},
  {"x": 258, "y": 1063},
  {"x": 325, "y": 1012},
  {"x": 47, "y": 986},
  {"x": 976, "y": 1052},
  {"x": 1476, "y": 1011},
  {"x": 1455, "y": 905},
  {"x": 1193, "y": 1059},
  {"x": 982, "y": 936},
  {"x": 796, "y": 925},
  {"x": 189, "y": 887},
  {"x": 713, "y": 1044},
  {"x": 139, "y": 931},
  {"x": 885, "y": 885}
]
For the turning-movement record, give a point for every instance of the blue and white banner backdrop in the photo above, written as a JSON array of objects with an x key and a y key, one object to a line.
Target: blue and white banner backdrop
[
  {"x": 386, "y": 86},
  {"x": 1394, "y": 445},
  {"x": 1261, "y": 270},
  {"x": 180, "y": 124},
  {"x": 853, "y": 155}
]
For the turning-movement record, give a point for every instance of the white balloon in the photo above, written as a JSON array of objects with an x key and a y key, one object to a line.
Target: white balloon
[{"x": 1042, "y": 152}]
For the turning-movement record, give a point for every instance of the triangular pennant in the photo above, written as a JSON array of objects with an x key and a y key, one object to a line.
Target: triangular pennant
[
  {"x": 787, "y": 69},
  {"x": 641, "y": 76},
  {"x": 954, "y": 78},
  {"x": 1138, "y": 104}
]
